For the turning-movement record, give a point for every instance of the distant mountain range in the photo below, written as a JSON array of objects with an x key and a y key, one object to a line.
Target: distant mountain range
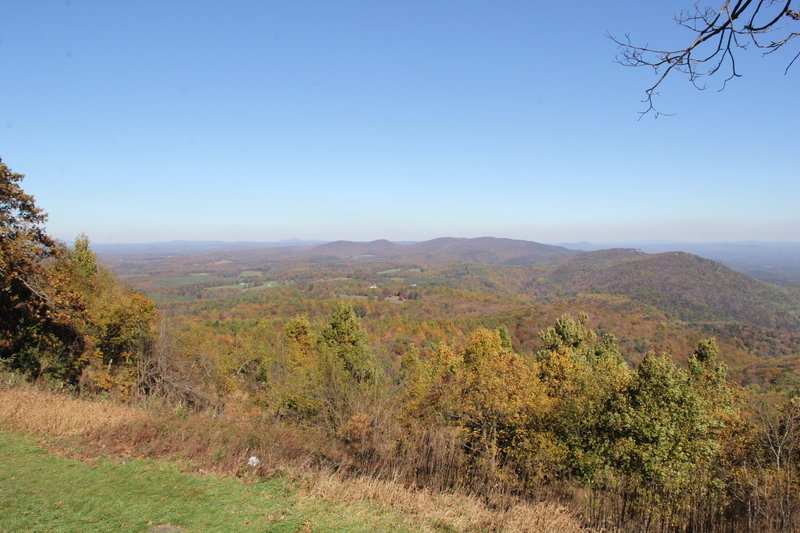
[
  {"x": 684, "y": 286},
  {"x": 776, "y": 262},
  {"x": 193, "y": 247},
  {"x": 484, "y": 250}
]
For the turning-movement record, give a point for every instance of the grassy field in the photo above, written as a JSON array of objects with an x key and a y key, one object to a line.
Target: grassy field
[
  {"x": 191, "y": 279},
  {"x": 40, "y": 491},
  {"x": 129, "y": 477}
]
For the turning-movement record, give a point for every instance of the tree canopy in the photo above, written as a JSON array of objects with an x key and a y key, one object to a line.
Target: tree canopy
[
  {"x": 61, "y": 314},
  {"x": 26, "y": 307}
]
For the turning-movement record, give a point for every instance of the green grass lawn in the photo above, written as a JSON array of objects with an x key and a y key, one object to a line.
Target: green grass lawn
[{"x": 41, "y": 492}]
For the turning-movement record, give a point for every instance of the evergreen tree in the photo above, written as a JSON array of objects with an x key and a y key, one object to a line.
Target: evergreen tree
[
  {"x": 82, "y": 257},
  {"x": 345, "y": 340}
]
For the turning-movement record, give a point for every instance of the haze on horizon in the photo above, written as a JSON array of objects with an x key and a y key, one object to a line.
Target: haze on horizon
[{"x": 263, "y": 121}]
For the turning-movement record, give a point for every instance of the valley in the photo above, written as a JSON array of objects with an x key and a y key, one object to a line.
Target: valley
[{"x": 423, "y": 293}]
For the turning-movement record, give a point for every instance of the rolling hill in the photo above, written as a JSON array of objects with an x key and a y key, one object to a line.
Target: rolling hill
[
  {"x": 776, "y": 262},
  {"x": 484, "y": 250},
  {"x": 685, "y": 286}
]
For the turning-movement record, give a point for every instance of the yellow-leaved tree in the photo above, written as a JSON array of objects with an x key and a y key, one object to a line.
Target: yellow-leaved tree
[
  {"x": 495, "y": 401},
  {"x": 62, "y": 316}
]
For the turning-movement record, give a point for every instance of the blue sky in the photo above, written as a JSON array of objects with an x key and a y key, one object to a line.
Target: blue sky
[{"x": 406, "y": 120}]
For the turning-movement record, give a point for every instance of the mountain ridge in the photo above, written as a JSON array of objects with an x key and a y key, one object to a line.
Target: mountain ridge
[
  {"x": 686, "y": 286},
  {"x": 486, "y": 250}
]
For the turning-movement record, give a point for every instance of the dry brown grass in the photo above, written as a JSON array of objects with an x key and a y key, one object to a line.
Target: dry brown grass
[
  {"x": 452, "y": 511},
  {"x": 59, "y": 415},
  {"x": 223, "y": 445}
]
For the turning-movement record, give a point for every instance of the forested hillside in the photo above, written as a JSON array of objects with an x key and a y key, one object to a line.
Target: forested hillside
[
  {"x": 654, "y": 302},
  {"x": 685, "y": 286},
  {"x": 775, "y": 262}
]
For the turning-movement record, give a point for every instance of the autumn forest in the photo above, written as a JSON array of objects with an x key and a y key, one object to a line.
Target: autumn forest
[{"x": 642, "y": 392}]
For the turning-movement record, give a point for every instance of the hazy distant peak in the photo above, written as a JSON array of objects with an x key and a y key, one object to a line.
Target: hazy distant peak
[{"x": 486, "y": 250}]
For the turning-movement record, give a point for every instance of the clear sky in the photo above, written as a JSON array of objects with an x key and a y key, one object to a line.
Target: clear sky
[{"x": 398, "y": 119}]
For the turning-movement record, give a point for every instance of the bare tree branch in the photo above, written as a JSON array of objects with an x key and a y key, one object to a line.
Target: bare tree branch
[{"x": 718, "y": 35}]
